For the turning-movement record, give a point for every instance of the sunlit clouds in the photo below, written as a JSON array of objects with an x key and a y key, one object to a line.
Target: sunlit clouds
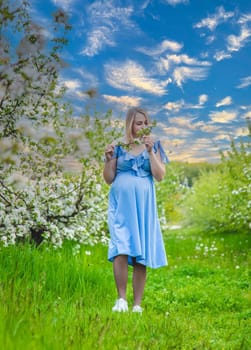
[
  {"x": 176, "y": 2},
  {"x": 165, "y": 45},
  {"x": 174, "y": 106},
  {"x": 187, "y": 65},
  {"x": 203, "y": 99},
  {"x": 72, "y": 84},
  {"x": 183, "y": 59},
  {"x": 105, "y": 21},
  {"x": 192, "y": 150},
  {"x": 74, "y": 88},
  {"x": 182, "y": 74},
  {"x": 189, "y": 123},
  {"x": 247, "y": 115},
  {"x": 131, "y": 76},
  {"x": 245, "y": 82},
  {"x": 66, "y": 5},
  {"x": 222, "y": 55},
  {"x": 182, "y": 68},
  {"x": 124, "y": 101},
  {"x": 235, "y": 42},
  {"x": 241, "y": 132},
  {"x": 224, "y": 102},
  {"x": 223, "y": 116},
  {"x": 212, "y": 21}
]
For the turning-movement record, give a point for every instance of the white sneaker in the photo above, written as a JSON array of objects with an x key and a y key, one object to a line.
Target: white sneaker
[
  {"x": 137, "y": 308},
  {"x": 120, "y": 305}
]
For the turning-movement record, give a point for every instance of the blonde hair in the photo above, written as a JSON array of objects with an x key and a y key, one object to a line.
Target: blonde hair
[{"x": 130, "y": 117}]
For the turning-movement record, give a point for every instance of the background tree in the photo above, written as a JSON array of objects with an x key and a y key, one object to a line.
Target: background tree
[
  {"x": 50, "y": 173},
  {"x": 220, "y": 200}
]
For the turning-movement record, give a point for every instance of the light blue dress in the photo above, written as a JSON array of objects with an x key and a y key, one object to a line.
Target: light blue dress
[{"x": 132, "y": 212}]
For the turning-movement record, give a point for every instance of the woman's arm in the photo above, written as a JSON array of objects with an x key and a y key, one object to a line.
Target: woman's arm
[
  {"x": 158, "y": 168},
  {"x": 109, "y": 171}
]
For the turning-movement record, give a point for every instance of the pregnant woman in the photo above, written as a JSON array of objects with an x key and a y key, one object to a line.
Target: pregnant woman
[{"x": 135, "y": 234}]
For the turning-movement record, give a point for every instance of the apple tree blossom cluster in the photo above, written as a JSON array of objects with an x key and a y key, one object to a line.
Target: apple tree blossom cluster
[{"x": 51, "y": 182}]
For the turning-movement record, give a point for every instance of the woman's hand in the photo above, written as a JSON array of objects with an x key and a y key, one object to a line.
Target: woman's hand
[
  {"x": 109, "y": 171},
  {"x": 148, "y": 141},
  {"x": 109, "y": 151}
]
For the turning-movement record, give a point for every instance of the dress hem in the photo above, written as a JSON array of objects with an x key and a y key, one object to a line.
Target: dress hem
[{"x": 139, "y": 260}]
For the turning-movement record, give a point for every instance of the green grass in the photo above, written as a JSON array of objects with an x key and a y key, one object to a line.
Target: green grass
[{"x": 51, "y": 299}]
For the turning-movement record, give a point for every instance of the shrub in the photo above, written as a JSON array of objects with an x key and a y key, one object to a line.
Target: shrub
[{"x": 221, "y": 200}]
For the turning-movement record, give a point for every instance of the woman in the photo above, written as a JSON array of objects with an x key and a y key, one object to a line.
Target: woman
[{"x": 136, "y": 237}]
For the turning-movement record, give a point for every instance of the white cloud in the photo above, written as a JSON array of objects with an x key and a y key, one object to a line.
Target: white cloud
[
  {"x": 191, "y": 149},
  {"x": 221, "y": 55},
  {"x": 210, "y": 39},
  {"x": 181, "y": 74},
  {"x": 97, "y": 39},
  {"x": 245, "y": 107},
  {"x": 202, "y": 141},
  {"x": 66, "y": 5},
  {"x": 105, "y": 20},
  {"x": 224, "y": 102},
  {"x": 185, "y": 59},
  {"x": 177, "y": 2},
  {"x": 176, "y": 131},
  {"x": 234, "y": 42},
  {"x": 247, "y": 115},
  {"x": 203, "y": 99},
  {"x": 72, "y": 84},
  {"x": 183, "y": 122},
  {"x": 245, "y": 82},
  {"x": 131, "y": 75},
  {"x": 197, "y": 69},
  {"x": 209, "y": 128},
  {"x": 165, "y": 45},
  {"x": 221, "y": 137},
  {"x": 175, "y": 142},
  {"x": 145, "y": 4},
  {"x": 181, "y": 104},
  {"x": 185, "y": 142},
  {"x": 241, "y": 132},
  {"x": 195, "y": 157},
  {"x": 245, "y": 19},
  {"x": 75, "y": 88},
  {"x": 127, "y": 101},
  {"x": 174, "y": 106},
  {"x": 211, "y": 22},
  {"x": 89, "y": 79},
  {"x": 222, "y": 117}
]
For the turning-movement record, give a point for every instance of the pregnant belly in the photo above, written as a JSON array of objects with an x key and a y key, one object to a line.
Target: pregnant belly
[{"x": 126, "y": 182}]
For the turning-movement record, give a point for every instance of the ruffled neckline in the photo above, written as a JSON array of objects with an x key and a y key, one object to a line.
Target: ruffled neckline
[
  {"x": 130, "y": 155},
  {"x": 136, "y": 161}
]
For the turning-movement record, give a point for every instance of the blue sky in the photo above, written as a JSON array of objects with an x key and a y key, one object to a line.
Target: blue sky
[{"x": 188, "y": 62}]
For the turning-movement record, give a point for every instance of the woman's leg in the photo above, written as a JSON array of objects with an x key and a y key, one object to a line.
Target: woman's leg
[
  {"x": 120, "y": 270},
  {"x": 139, "y": 279}
]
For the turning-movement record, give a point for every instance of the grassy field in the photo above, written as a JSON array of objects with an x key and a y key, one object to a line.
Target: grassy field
[{"x": 52, "y": 299}]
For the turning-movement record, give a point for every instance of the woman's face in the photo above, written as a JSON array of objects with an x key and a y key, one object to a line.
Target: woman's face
[{"x": 139, "y": 123}]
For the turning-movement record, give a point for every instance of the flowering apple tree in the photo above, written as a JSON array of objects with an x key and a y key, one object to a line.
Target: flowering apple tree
[{"x": 51, "y": 186}]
